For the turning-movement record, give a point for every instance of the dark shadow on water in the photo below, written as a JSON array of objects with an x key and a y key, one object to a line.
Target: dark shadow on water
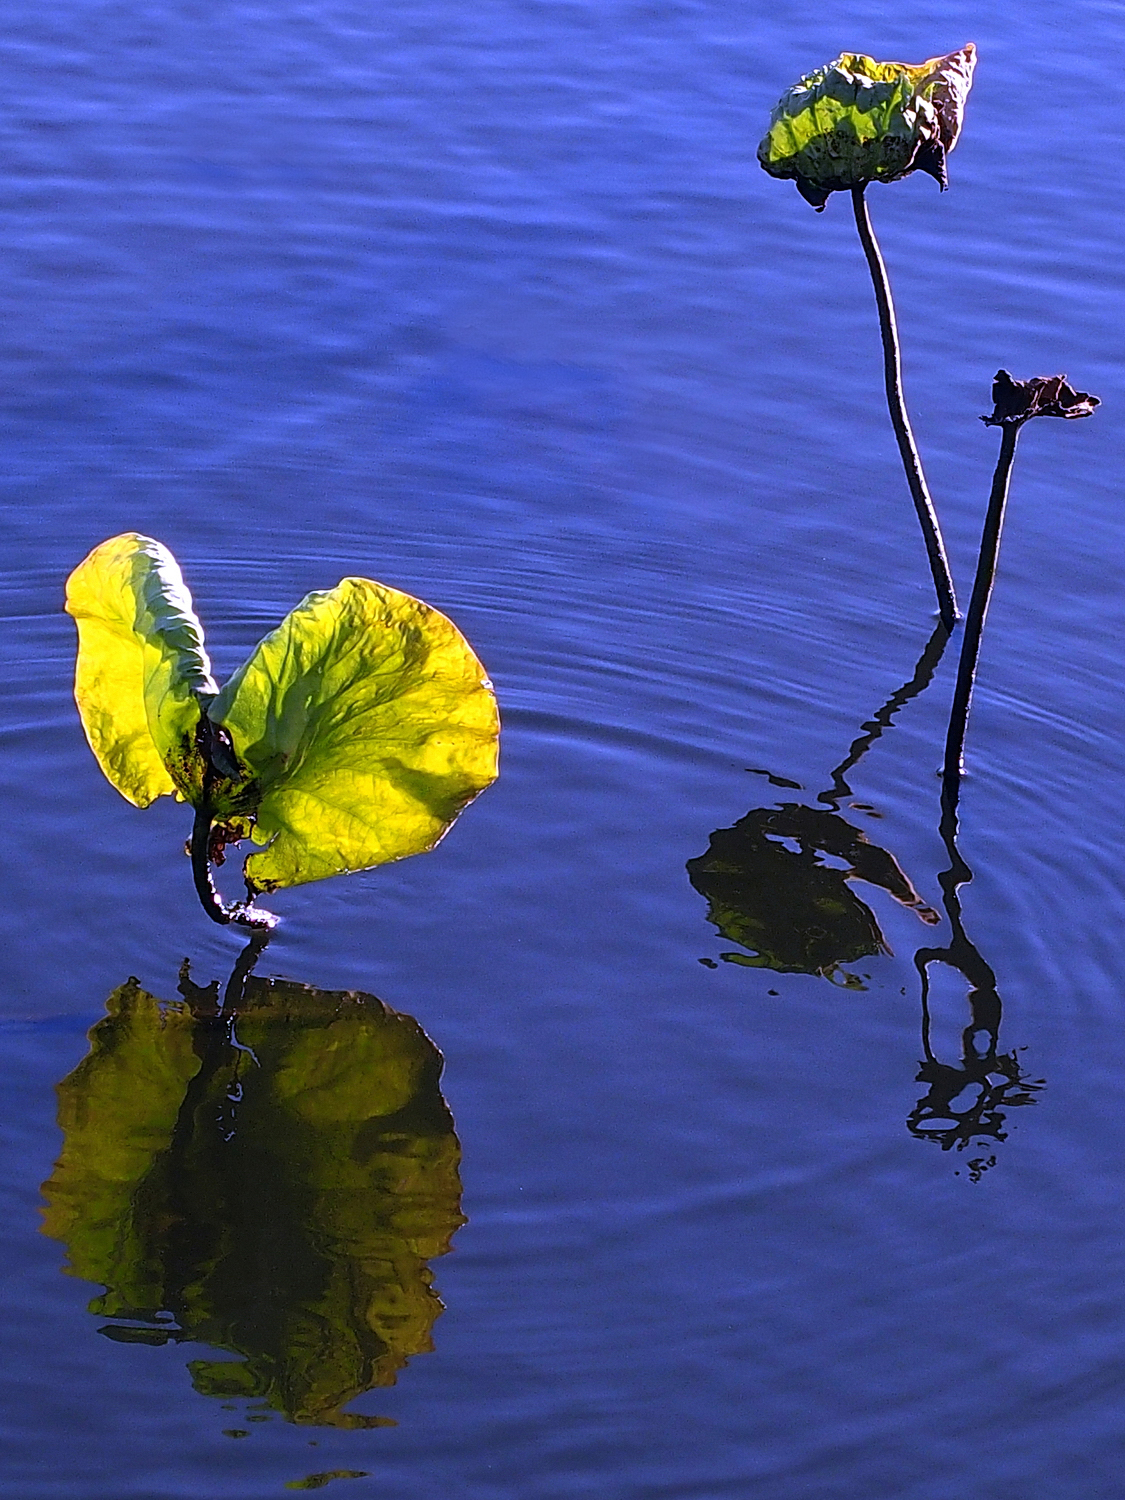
[
  {"x": 780, "y": 884},
  {"x": 923, "y": 675},
  {"x": 270, "y": 1177},
  {"x": 967, "y": 1102},
  {"x": 769, "y": 889}
]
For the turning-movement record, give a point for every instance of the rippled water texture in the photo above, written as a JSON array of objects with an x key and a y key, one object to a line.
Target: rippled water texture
[{"x": 493, "y": 303}]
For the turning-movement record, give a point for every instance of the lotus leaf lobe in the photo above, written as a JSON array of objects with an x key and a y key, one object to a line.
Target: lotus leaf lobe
[
  {"x": 368, "y": 723},
  {"x": 142, "y": 668}
]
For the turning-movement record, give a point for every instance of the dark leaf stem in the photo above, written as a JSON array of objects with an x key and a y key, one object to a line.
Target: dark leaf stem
[
  {"x": 974, "y": 623},
  {"x": 900, "y": 421},
  {"x": 1015, "y": 402},
  {"x": 999, "y": 1076},
  {"x": 241, "y": 914},
  {"x": 962, "y": 954}
]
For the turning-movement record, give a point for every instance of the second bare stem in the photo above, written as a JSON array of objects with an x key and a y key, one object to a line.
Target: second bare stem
[{"x": 974, "y": 625}]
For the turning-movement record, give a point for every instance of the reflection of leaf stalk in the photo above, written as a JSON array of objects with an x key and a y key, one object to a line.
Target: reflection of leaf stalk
[
  {"x": 884, "y": 717},
  {"x": 963, "y": 954},
  {"x": 999, "y": 1076},
  {"x": 900, "y": 421},
  {"x": 243, "y": 968}
]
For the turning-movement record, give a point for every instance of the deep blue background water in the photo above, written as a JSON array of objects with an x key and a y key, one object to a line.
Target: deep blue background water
[{"x": 495, "y": 305}]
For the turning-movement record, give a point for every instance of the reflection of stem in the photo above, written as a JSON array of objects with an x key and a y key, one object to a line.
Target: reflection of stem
[
  {"x": 883, "y": 718},
  {"x": 211, "y": 1042},
  {"x": 1000, "y": 1078},
  {"x": 241, "y": 914},
  {"x": 204, "y": 999},
  {"x": 962, "y": 954},
  {"x": 187, "y": 1239},
  {"x": 900, "y": 421},
  {"x": 243, "y": 968}
]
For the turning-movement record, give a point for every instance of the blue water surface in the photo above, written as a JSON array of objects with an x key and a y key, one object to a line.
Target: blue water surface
[{"x": 494, "y": 304}]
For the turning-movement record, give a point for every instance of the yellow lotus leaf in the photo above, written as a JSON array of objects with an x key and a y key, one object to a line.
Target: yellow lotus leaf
[
  {"x": 141, "y": 664},
  {"x": 367, "y": 723}
]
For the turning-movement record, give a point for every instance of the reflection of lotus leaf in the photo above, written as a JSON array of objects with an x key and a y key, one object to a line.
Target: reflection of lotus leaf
[
  {"x": 278, "y": 1198},
  {"x": 770, "y": 891}
]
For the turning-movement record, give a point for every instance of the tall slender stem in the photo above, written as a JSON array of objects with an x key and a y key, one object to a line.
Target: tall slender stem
[
  {"x": 974, "y": 624},
  {"x": 900, "y": 421}
]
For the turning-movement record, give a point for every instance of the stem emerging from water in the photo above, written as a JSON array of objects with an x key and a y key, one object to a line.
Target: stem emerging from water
[
  {"x": 974, "y": 624},
  {"x": 900, "y": 421},
  {"x": 241, "y": 914},
  {"x": 999, "y": 1075}
]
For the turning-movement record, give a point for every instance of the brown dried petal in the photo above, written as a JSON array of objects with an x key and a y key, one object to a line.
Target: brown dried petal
[
  {"x": 1017, "y": 401},
  {"x": 954, "y": 79}
]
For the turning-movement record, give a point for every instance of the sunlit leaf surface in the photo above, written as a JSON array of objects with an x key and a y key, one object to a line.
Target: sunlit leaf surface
[
  {"x": 368, "y": 724},
  {"x": 279, "y": 1203},
  {"x": 141, "y": 664},
  {"x": 770, "y": 890},
  {"x": 857, "y": 121},
  {"x": 354, "y": 735}
]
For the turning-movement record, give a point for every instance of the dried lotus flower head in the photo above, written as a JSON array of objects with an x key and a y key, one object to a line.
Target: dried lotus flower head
[
  {"x": 857, "y": 121},
  {"x": 1017, "y": 401}
]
